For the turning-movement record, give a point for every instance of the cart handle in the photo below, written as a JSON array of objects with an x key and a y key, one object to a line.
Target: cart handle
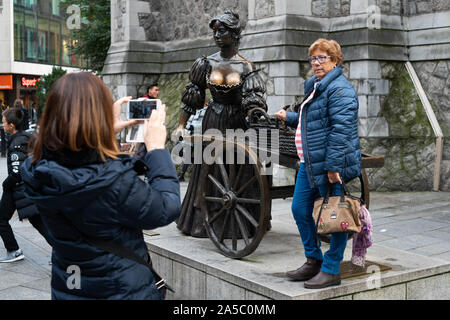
[
  {"x": 269, "y": 118},
  {"x": 251, "y": 111}
]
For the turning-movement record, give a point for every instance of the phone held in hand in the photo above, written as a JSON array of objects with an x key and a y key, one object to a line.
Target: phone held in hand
[{"x": 141, "y": 109}]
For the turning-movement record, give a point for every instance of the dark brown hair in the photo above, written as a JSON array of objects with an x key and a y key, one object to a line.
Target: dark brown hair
[
  {"x": 14, "y": 116},
  {"x": 78, "y": 114}
]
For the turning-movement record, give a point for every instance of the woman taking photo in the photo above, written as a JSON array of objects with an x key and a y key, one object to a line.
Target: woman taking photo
[
  {"x": 329, "y": 151},
  {"x": 83, "y": 186}
]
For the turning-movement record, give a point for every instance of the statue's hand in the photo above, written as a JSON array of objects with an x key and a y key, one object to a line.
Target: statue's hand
[{"x": 255, "y": 116}]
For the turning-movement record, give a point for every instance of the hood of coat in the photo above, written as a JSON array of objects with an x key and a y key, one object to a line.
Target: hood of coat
[
  {"x": 50, "y": 184},
  {"x": 19, "y": 139}
]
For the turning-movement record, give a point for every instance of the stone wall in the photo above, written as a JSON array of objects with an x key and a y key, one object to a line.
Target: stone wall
[
  {"x": 330, "y": 8},
  {"x": 435, "y": 79},
  {"x": 414, "y": 7},
  {"x": 408, "y": 144},
  {"x": 170, "y": 20}
]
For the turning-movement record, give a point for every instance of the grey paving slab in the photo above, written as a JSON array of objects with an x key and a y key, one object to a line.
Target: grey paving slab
[
  {"x": 444, "y": 256},
  {"x": 378, "y": 237},
  {"x": 439, "y": 234},
  {"x": 445, "y": 229},
  {"x": 407, "y": 227},
  {"x": 376, "y": 221},
  {"x": 26, "y": 267},
  {"x": 441, "y": 216},
  {"x": 433, "y": 249},
  {"x": 10, "y": 279},
  {"x": 410, "y": 242},
  {"x": 24, "y": 293},
  {"x": 40, "y": 285}
]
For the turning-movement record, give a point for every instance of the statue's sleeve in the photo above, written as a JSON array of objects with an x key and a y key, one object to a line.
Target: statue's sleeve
[
  {"x": 193, "y": 97},
  {"x": 253, "y": 91}
]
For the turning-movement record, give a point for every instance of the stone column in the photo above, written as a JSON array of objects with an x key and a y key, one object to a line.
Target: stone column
[
  {"x": 284, "y": 81},
  {"x": 286, "y": 74},
  {"x": 124, "y": 30},
  {"x": 370, "y": 86}
]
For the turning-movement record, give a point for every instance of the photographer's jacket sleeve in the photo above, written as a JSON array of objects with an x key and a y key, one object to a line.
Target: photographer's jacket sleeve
[{"x": 153, "y": 204}]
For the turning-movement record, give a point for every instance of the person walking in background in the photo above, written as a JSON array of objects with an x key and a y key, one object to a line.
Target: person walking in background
[
  {"x": 2, "y": 131},
  {"x": 13, "y": 192},
  {"x": 85, "y": 188},
  {"x": 26, "y": 117},
  {"x": 152, "y": 91},
  {"x": 329, "y": 151}
]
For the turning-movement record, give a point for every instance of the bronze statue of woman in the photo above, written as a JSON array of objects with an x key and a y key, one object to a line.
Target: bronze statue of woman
[{"x": 235, "y": 87}]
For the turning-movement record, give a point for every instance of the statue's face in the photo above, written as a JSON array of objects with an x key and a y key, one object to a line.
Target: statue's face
[{"x": 222, "y": 35}]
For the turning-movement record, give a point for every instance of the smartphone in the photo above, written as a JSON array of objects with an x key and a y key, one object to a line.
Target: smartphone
[{"x": 141, "y": 109}]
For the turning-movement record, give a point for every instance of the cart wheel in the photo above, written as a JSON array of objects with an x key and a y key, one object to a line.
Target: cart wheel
[{"x": 235, "y": 203}]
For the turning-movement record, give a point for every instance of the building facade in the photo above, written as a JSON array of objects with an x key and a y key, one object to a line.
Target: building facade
[
  {"x": 158, "y": 40},
  {"x": 33, "y": 38}
]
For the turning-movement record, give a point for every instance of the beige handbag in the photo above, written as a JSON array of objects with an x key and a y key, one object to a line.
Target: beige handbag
[{"x": 337, "y": 213}]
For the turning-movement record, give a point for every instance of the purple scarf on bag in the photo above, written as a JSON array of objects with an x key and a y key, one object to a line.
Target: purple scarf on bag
[{"x": 362, "y": 240}]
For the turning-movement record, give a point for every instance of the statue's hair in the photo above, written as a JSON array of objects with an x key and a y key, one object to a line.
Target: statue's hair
[{"x": 230, "y": 18}]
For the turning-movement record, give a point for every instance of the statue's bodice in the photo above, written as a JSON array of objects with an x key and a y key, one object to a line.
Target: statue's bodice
[{"x": 225, "y": 79}]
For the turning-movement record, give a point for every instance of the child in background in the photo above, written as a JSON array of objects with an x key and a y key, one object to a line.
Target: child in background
[{"x": 13, "y": 192}]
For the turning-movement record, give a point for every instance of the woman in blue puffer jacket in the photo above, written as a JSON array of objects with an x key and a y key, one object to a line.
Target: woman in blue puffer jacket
[
  {"x": 85, "y": 188},
  {"x": 328, "y": 147}
]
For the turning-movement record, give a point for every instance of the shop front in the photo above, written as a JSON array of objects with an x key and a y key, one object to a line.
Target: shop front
[
  {"x": 20, "y": 86},
  {"x": 6, "y": 89}
]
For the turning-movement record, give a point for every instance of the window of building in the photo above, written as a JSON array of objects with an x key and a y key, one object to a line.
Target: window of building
[
  {"x": 41, "y": 34},
  {"x": 56, "y": 8}
]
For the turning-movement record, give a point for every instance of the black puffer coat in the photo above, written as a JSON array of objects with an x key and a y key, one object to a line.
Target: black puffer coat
[{"x": 107, "y": 201}]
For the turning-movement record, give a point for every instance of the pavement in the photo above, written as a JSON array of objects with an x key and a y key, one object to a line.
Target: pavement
[{"x": 415, "y": 222}]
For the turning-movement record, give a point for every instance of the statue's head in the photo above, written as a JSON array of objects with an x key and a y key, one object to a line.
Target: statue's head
[{"x": 226, "y": 27}]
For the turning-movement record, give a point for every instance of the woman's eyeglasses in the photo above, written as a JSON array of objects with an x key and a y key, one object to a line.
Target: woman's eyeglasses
[{"x": 320, "y": 59}]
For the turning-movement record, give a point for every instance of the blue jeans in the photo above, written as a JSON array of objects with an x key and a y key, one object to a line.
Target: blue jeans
[{"x": 302, "y": 208}]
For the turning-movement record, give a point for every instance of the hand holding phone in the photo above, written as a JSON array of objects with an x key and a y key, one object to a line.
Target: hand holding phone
[
  {"x": 155, "y": 132},
  {"x": 120, "y": 124}
]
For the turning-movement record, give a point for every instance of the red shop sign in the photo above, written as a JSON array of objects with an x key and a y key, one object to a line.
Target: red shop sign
[{"x": 29, "y": 82}]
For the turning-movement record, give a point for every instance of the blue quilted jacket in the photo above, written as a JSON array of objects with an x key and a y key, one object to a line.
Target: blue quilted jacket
[
  {"x": 106, "y": 201},
  {"x": 329, "y": 128}
]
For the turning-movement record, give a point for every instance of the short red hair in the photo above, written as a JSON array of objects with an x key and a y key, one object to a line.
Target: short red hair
[{"x": 331, "y": 47}]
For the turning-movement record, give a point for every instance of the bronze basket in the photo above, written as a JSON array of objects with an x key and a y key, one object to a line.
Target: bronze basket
[{"x": 258, "y": 120}]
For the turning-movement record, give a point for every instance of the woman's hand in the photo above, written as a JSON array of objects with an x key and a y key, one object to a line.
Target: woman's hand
[
  {"x": 120, "y": 124},
  {"x": 155, "y": 132},
  {"x": 334, "y": 177},
  {"x": 281, "y": 114}
]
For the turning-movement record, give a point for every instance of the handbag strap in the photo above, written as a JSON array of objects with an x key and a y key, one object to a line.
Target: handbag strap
[
  {"x": 324, "y": 201},
  {"x": 123, "y": 252}
]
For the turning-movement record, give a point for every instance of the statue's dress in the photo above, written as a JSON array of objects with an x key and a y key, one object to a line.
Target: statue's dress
[{"x": 235, "y": 88}]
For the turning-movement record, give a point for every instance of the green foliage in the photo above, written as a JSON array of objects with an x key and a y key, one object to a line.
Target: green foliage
[
  {"x": 46, "y": 82},
  {"x": 93, "y": 39}
]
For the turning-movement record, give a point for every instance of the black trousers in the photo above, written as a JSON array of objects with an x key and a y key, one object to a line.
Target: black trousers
[{"x": 7, "y": 209}]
